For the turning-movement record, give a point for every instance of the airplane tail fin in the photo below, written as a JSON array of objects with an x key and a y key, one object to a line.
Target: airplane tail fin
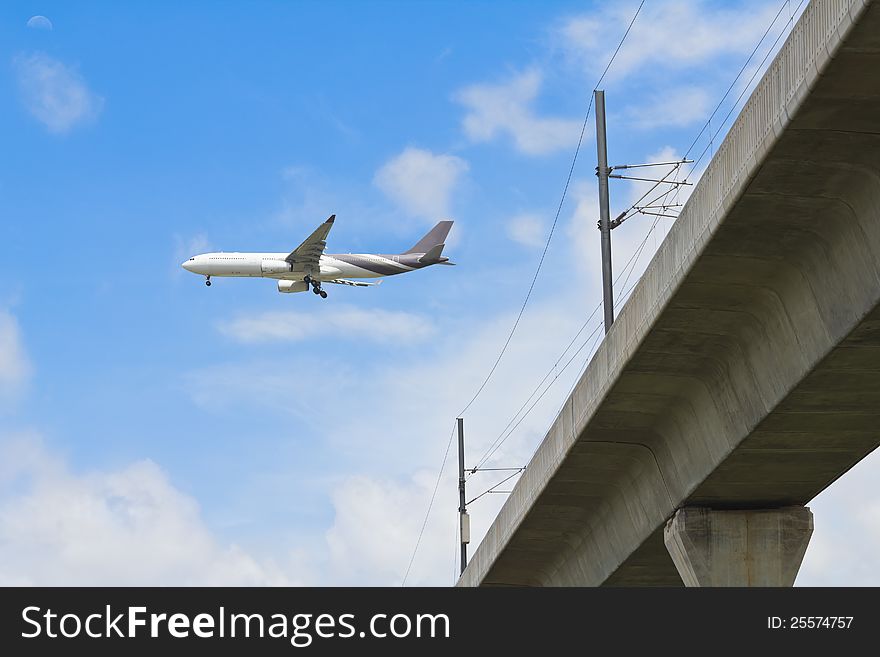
[{"x": 435, "y": 237}]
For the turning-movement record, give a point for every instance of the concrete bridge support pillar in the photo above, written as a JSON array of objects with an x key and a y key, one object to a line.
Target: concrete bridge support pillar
[{"x": 760, "y": 547}]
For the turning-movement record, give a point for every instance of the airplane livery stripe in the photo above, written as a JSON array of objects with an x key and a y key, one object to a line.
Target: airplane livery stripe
[{"x": 383, "y": 267}]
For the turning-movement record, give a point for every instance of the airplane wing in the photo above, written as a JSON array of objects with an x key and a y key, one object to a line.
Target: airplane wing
[
  {"x": 345, "y": 281},
  {"x": 307, "y": 256}
]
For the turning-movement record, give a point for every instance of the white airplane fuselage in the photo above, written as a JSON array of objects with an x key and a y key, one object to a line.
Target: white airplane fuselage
[{"x": 274, "y": 265}]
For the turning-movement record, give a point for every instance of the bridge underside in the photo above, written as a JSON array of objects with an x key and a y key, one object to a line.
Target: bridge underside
[
  {"x": 809, "y": 223},
  {"x": 823, "y": 428},
  {"x": 744, "y": 373}
]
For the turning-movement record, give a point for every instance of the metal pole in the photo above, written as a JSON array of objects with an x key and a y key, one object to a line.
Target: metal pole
[
  {"x": 604, "y": 212},
  {"x": 464, "y": 520}
]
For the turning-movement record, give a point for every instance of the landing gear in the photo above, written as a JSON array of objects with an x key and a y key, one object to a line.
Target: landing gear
[
  {"x": 208, "y": 281},
  {"x": 316, "y": 286}
]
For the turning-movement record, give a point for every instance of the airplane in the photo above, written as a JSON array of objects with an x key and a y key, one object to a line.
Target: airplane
[{"x": 308, "y": 266}]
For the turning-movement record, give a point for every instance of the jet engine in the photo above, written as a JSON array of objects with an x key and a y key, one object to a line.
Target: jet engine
[
  {"x": 275, "y": 266},
  {"x": 292, "y": 286}
]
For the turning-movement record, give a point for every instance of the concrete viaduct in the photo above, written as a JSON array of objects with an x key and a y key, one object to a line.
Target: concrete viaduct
[{"x": 742, "y": 377}]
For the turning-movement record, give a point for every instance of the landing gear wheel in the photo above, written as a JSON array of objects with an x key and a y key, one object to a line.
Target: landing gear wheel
[
  {"x": 316, "y": 290},
  {"x": 208, "y": 282},
  {"x": 323, "y": 294},
  {"x": 307, "y": 279}
]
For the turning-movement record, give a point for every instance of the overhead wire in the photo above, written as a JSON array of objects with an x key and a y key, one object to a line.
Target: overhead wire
[
  {"x": 676, "y": 188},
  {"x": 430, "y": 506},
  {"x": 556, "y": 217},
  {"x": 558, "y": 212},
  {"x": 530, "y": 290},
  {"x": 626, "y": 214},
  {"x": 537, "y": 270},
  {"x": 708, "y": 123},
  {"x": 617, "y": 301},
  {"x": 733, "y": 83},
  {"x": 538, "y": 387},
  {"x": 491, "y": 452},
  {"x": 747, "y": 86},
  {"x": 508, "y": 430},
  {"x": 505, "y": 434}
]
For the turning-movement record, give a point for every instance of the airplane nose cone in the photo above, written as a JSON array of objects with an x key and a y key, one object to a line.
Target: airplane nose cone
[{"x": 188, "y": 264}]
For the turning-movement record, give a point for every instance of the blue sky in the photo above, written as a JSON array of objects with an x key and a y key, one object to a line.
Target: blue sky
[{"x": 157, "y": 431}]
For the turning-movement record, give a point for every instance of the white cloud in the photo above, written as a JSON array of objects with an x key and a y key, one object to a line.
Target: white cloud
[
  {"x": 425, "y": 406},
  {"x": 337, "y": 321},
  {"x": 399, "y": 424},
  {"x": 15, "y": 367},
  {"x": 125, "y": 527},
  {"x": 676, "y": 107},
  {"x": 667, "y": 34},
  {"x": 39, "y": 23},
  {"x": 54, "y": 93},
  {"x": 374, "y": 531},
  {"x": 527, "y": 229},
  {"x": 421, "y": 182},
  {"x": 497, "y": 109}
]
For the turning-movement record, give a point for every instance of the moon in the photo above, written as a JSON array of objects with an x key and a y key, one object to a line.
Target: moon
[{"x": 39, "y": 23}]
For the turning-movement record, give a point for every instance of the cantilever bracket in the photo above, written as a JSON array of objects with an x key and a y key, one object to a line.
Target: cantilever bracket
[{"x": 614, "y": 223}]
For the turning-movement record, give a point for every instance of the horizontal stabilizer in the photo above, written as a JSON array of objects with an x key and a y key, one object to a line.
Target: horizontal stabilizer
[
  {"x": 433, "y": 255},
  {"x": 345, "y": 281}
]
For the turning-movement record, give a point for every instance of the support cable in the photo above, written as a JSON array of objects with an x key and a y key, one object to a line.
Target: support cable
[{"x": 492, "y": 488}]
